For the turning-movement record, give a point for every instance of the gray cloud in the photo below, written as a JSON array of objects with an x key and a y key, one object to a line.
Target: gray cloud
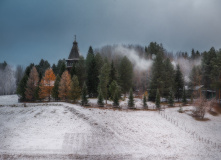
[{"x": 37, "y": 29}]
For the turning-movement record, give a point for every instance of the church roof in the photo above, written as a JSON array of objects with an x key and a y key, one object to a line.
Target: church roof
[{"x": 74, "y": 54}]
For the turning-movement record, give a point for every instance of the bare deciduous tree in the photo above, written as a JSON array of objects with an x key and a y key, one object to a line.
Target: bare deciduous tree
[{"x": 202, "y": 105}]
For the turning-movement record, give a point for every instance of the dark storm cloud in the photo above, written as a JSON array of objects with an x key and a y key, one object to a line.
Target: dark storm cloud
[{"x": 31, "y": 30}]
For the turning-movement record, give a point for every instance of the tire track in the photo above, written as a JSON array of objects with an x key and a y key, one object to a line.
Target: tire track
[{"x": 102, "y": 139}]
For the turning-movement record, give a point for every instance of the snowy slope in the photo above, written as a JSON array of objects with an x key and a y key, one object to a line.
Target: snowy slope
[{"x": 67, "y": 131}]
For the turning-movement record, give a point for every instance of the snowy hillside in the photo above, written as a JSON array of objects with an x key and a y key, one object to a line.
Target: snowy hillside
[{"x": 66, "y": 131}]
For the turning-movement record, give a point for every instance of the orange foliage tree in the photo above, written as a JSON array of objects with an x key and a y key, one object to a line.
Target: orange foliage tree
[
  {"x": 47, "y": 84},
  {"x": 64, "y": 86},
  {"x": 32, "y": 85}
]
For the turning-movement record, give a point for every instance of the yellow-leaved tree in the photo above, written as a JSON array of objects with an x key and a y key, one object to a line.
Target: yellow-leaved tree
[
  {"x": 64, "y": 86},
  {"x": 32, "y": 85},
  {"x": 47, "y": 84}
]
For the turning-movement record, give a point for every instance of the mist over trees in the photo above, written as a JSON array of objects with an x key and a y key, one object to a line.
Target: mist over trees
[
  {"x": 7, "y": 79},
  {"x": 121, "y": 67}
]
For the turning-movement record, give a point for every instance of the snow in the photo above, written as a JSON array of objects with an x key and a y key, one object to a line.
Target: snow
[
  {"x": 68, "y": 131},
  {"x": 8, "y": 99}
]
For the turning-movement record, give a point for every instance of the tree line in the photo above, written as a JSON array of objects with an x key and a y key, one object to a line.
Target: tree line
[
  {"x": 100, "y": 76},
  {"x": 105, "y": 73}
]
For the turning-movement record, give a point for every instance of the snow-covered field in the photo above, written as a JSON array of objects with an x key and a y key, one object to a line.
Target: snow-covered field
[{"x": 67, "y": 131}]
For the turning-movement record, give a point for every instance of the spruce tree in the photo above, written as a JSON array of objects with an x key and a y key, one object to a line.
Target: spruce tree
[
  {"x": 73, "y": 70},
  {"x": 193, "y": 54},
  {"x": 92, "y": 73},
  {"x": 75, "y": 91},
  {"x": 22, "y": 87},
  {"x": 171, "y": 98},
  {"x": 126, "y": 74},
  {"x": 112, "y": 88},
  {"x": 42, "y": 67},
  {"x": 208, "y": 67},
  {"x": 81, "y": 71},
  {"x": 145, "y": 106},
  {"x": 195, "y": 77},
  {"x": 169, "y": 74},
  {"x": 100, "y": 100},
  {"x": 116, "y": 98},
  {"x": 158, "y": 99},
  {"x": 131, "y": 99},
  {"x": 104, "y": 80},
  {"x": 99, "y": 62},
  {"x": 84, "y": 100},
  {"x": 23, "y": 83},
  {"x": 179, "y": 83},
  {"x": 184, "y": 96},
  {"x": 54, "y": 68},
  {"x": 55, "y": 89},
  {"x": 112, "y": 73},
  {"x": 62, "y": 68},
  {"x": 157, "y": 77}
]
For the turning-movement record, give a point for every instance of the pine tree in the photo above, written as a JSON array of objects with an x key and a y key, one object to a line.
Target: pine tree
[
  {"x": 208, "y": 67},
  {"x": 193, "y": 54},
  {"x": 145, "y": 106},
  {"x": 104, "y": 80},
  {"x": 99, "y": 62},
  {"x": 116, "y": 98},
  {"x": 81, "y": 71},
  {"x": 23, "y": 83},
  {"x": 64, "y": 86},
  {"x": 92, "y": 73},
  {"x": 131, "y": 99},
  {"x": 171, "y": 98},
  {"x": 55, "y": 69},
  {"x": 157, "y": 77},
  {"x": 55, "y": 92},
  {"x": 112, "y": 73},
  {"x": 42, "y": 67},
  {"x": 19, "y": 73},
  {"x": 169, "y": 74},
  {"x": 62, "y": 68},
  {"x": 112, "y": 88},
  {"x": 184, "y": 96},
  {"x": 75, "y": 91},
  {"x": 47, "y": 84},
  {"x": 100, "y": 100},
  {"x": 126, "y": 74},
  {"x": 179, "y": 83},
  {"x": 84, "y": 100},
  {"x": 3, "y": 65},
  {"x": 158, "y": 99},
  {"x": 22, "y": 87},
  {"x": 73, "y": 70},
  {"x": 195, "y": 77},
  {"x": 32, "y": 85}
]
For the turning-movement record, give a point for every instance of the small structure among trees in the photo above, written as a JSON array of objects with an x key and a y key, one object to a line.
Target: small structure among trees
[{"x": 73, "y": 56}]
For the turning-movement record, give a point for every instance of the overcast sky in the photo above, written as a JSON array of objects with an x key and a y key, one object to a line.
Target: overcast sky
[{"x": 35, "y": 29}]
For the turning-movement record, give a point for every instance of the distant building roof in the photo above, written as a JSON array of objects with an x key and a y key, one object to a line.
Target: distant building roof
[
  {"x": 74, "y": 54},
  {"x": 197, "y": 87}
]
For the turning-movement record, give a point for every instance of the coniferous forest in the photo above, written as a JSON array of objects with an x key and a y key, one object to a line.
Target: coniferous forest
[{"x": 108, "y": 73}]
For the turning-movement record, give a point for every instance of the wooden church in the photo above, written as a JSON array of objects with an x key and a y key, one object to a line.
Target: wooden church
[{"x": 73, "y": 56}]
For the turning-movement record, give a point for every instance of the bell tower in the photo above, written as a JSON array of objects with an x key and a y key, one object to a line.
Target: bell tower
[{"x": 74, "y": 55}]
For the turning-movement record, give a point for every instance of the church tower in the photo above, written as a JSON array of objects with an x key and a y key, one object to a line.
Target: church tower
[{"x": 74, "y": 55}]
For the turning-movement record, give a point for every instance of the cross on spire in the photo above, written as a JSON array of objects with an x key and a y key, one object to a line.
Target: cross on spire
[{"x": 75, "y": 38}]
